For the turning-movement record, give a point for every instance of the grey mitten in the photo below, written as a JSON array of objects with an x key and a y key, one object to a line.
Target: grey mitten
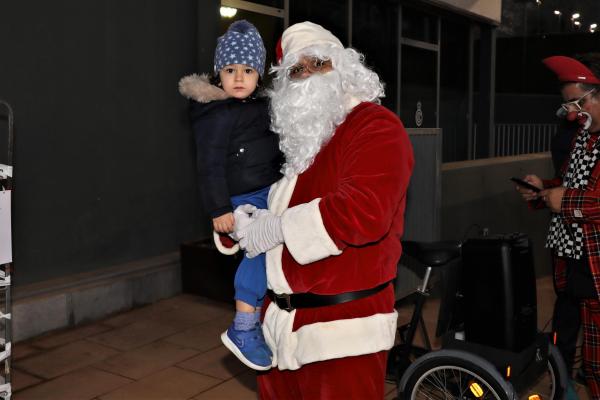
[{"x": 263, "y": 234}]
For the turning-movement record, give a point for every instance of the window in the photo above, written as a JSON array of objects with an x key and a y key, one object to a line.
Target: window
[
  {"x": 331, "y": 14},
  {"x": 374, "y": 34},
  {"x": 419, "y": 25}
]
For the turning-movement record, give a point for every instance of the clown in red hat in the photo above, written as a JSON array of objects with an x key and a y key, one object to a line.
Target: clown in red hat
[
  {"x": 578, "y": 83},
  {"x": 574, "y": 200}
]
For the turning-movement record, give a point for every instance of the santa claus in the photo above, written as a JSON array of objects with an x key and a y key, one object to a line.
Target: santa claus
[{"x": 333, "y": 228}]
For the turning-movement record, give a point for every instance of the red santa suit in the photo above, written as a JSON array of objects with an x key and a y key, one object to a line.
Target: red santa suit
[{"x": 342, "y": 221}]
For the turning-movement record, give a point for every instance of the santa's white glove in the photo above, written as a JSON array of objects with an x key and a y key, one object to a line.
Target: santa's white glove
[
  {"x": 242, "y": 218},
  {"x": 263, "y": 234}
]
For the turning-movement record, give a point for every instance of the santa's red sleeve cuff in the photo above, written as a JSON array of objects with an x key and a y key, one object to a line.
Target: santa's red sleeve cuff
[{"x": 225, "y": 244}]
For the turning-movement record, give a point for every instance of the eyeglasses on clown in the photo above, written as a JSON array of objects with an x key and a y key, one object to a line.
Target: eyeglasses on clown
[{"x": 576, "y": 104}]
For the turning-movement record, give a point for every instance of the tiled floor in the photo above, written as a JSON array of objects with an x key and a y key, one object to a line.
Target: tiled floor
[{"x": 170, "y": 350}]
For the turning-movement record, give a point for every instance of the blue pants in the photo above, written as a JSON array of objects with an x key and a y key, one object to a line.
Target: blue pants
[{"x": 251, "y": 276}]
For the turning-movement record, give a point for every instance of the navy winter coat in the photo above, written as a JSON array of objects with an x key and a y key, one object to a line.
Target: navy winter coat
[{"x": 235, "y": 149}]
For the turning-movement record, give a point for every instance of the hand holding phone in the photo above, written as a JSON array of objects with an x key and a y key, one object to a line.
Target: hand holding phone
[{"x": 525, "y": 184}]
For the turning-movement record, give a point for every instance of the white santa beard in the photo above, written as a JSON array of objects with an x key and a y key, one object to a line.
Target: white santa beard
[{"x": 305, "y": 114}]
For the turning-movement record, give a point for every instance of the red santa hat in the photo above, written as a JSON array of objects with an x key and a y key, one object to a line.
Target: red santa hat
[
  {"x": 278, "y": 52},
  {"x": 302, "y": 35},
  {"x": 570, "y": 70}
]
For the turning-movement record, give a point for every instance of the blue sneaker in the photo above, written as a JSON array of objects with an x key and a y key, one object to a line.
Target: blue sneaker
[{"x": 249, "y": 347}]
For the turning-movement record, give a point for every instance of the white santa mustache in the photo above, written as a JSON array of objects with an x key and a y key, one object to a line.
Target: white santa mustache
[{"x": 305, "y": 113}]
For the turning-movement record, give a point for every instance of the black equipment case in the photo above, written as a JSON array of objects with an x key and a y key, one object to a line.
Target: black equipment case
[{"x": 499, "y": 292}]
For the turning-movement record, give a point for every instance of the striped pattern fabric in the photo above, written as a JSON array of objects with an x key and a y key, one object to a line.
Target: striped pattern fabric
[{"x": 590, "y": 321}]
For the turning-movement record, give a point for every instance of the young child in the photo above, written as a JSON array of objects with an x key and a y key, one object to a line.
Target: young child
[{"x": 238, "y": 158}]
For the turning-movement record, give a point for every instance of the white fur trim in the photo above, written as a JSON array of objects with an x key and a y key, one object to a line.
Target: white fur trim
[
  {"x": 305, "y": 235},
  {"x": 279, "y": 199},
  {"x": 305, "y": 34},
  {"x": 228, "y": 251},
  {"x": 325, "y": 340},
  {"x": 198, "y": 87},
  {"x": 276, "y": 280},
  {"x": 280, "y": 194}
]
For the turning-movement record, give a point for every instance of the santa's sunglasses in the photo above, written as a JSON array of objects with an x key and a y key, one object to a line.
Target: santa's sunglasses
[{"x": 311, "y": 65}]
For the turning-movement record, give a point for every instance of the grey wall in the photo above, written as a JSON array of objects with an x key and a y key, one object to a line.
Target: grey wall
[
  {"x": 104, "y": 158},
  {"x": 422, "y": 216},
  {"x": 479, "y": 192}
]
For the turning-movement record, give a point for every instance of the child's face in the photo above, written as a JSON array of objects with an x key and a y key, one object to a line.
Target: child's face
[{"x": 238, "y": 80}]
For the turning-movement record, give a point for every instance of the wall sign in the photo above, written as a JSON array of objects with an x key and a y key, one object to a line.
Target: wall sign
[{"x": 419, "y": 115}]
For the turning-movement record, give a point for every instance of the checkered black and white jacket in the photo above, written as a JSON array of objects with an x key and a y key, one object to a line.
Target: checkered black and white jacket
[{"x": 581, "y": 206}]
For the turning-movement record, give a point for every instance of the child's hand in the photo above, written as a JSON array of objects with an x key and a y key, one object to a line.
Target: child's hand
[{"x": 224, "y": 223}]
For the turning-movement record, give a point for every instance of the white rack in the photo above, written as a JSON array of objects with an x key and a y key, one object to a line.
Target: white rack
[{"x": 6, "y": 183}]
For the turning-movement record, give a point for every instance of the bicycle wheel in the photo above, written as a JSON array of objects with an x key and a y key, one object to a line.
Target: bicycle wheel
[
  {"x": 454, "y": 375},
  {"x": 553, "y": 382}
]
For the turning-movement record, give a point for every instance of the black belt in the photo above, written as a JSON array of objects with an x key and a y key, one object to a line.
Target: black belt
[{"x": 288, "y": 302}]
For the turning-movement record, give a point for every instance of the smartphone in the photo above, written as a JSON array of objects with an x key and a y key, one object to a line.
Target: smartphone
[{"x": 526, "y": 185}]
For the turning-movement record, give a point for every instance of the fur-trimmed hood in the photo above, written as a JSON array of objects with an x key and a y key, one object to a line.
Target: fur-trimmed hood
[{"x": 198, "y": 87}]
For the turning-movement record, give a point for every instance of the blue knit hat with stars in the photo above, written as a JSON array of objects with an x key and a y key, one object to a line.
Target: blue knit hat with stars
[{"x": 241, "y": 44}]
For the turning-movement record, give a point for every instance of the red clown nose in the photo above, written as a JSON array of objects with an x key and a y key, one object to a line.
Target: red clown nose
[
  {"x": 581, "y": 117},
  {"x": 571, "y": 116}
]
